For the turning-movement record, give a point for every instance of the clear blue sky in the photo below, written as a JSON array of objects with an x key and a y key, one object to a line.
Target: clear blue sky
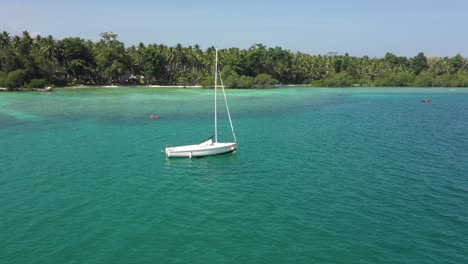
[{"x": 359, "y": 27}]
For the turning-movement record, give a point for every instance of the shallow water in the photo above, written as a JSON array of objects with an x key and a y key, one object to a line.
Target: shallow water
[{"x": 350, "y": 175}]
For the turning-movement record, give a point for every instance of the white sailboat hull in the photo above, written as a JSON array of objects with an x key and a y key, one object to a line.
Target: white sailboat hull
[{"x": 200, "y": 150}]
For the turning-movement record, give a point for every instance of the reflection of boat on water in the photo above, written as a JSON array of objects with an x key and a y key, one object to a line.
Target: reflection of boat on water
[
  {"x": 208, "y": 147},
  {"x": 426, "y": 100}
]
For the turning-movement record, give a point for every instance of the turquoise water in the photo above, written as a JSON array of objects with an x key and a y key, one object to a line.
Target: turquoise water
[{"x": 321, "y": 176}]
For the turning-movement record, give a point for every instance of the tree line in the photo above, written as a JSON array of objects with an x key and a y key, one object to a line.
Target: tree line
[{"x": 27, "y": 61}]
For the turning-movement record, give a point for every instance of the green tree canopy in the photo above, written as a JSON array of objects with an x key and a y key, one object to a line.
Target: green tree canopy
[
  {"x": 419, "y": 63},
  {"x": 77, "y": 61}
]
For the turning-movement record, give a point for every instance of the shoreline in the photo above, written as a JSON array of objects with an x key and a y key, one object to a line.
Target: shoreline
[
  {"x": 128, "y": 86},
  {"x": 279, "y": 86},
  {"x": 3, "y": 89}
]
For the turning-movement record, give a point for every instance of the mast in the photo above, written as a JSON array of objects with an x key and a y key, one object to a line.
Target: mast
[{"x": 215, "y": 91}]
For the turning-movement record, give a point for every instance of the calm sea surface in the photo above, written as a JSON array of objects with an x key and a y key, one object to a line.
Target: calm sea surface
[{"x": 352, "y": 175}]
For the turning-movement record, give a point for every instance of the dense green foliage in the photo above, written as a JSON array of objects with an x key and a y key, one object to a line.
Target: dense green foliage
[
  {"x": 16, "y": 78},
  {"x": 36, "y": 83},
  {"x": 75, "y": 61}
]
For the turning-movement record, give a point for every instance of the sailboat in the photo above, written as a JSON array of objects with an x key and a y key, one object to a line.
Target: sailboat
[{"x": 208, "y": 147}]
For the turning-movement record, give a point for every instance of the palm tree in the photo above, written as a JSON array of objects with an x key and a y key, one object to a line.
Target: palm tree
[
  {"x": 439, "y": 66},
  {"x": 48, "y": 47},
  {"x": 15, "y": 42},
  {"x": 26, "y": 43},
  {"x": 5, "y": 39}
]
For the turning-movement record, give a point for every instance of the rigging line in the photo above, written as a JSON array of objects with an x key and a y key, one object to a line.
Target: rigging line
[{"x": 227, "y": 107}]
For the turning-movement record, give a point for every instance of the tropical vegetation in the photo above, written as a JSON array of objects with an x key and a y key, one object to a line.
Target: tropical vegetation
[{"x": 37, "y": 61}]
